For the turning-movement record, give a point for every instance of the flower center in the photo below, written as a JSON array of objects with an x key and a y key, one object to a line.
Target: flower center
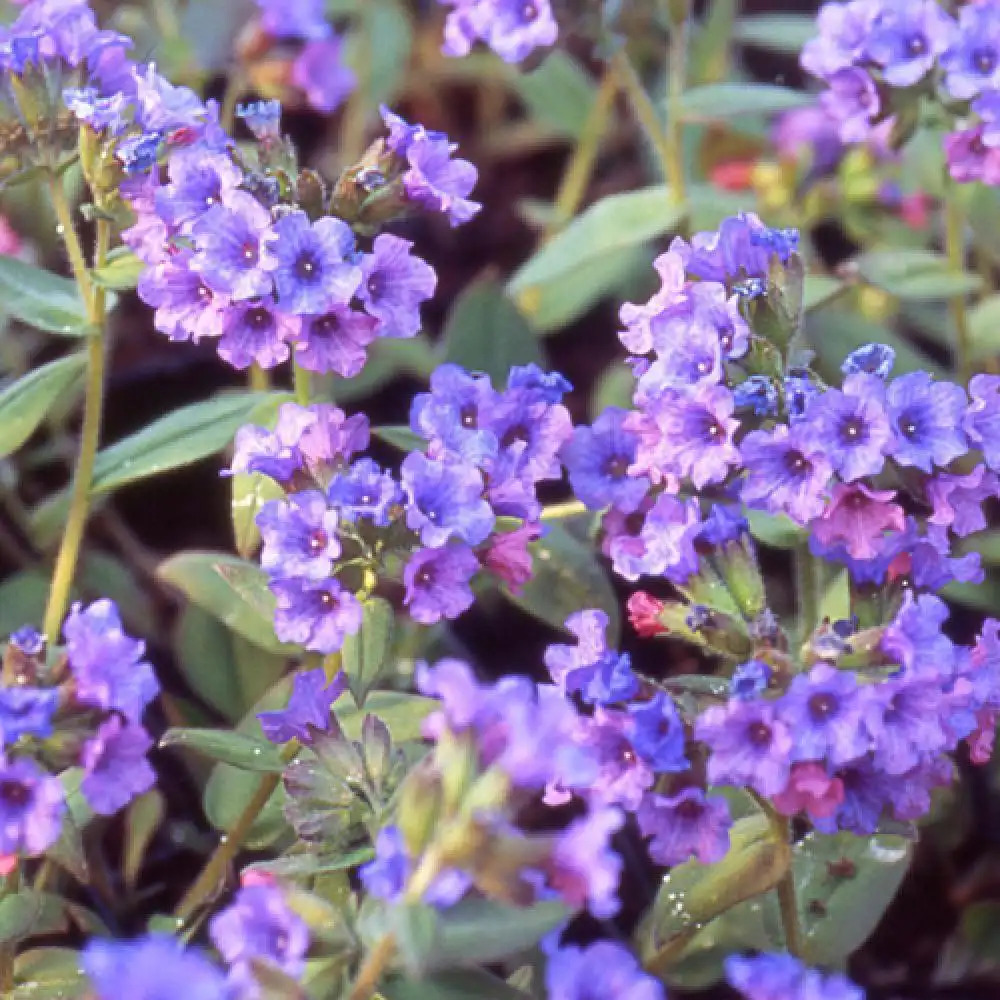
[
  {"x": 14, "y": 793},
  {"x": 250, "y": 252},
  {"x": 376, "y": 285},
  {"x": 318, "y": 541},
  {"x": 852, "y": 429},
  {"x": 690, "y": 810},
  {"x": 306, "y": 267},
  {"x": 822, "y": 705},
  {"x": 796, "y": 463},
  {"x": 327, "y": 600},
  {"x": 616, "y": 467},
  {"x": 258, "y": 318},
  {"x": 519, "y": 432},
  {"x": 529, "y": 11},
  {"x": 916, "y": 46},
  {"x": 326, "y": 326},
  {"x": 984, "y": 60},
  {"x": 469, "y": 416},
  {"x": 759, "y": 734}
]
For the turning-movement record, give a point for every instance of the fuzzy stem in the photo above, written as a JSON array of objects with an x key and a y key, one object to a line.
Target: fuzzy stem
[
  {"x": 302, "y": 382},
  {"x": 580, "y": 167},
  {"x": 95, "y": 299},
  {"x": 806, "y": 591},
  {"x": 676, "y": 78},
  {"x": 955, "y": 246},
  {"x": 260, "y": 380}
]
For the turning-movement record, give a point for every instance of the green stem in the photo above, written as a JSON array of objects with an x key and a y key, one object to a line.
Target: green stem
[
  {"x": 207, "y": 882},
  {"x": 302, "y": 382},
  {"x": 260, "y": 380},
  {"x": 95, "y": 299},
  {"x": 235, "y": 87},
  {"x": 955, "y": 247},
  {"x": 580, "y": 167},
  {"x": 645, "y": 114},
  {"x": 806, "y": 591},
  {"x": 676, "y": 80}
]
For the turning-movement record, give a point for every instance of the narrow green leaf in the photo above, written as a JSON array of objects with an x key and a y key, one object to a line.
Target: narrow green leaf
[
  {"x": 984, "y": 328},
  {"x": 121, "y": 272},
  {"x": 915, "y": 274},
  {"x": 820, "y": 289},
  {"x": 567, "y": 576},
  {"x": 250, "y": 491},
  {"x": 559, "y": 93},
  {"x": 228, "y": 588},
  {"x": 717, "y": 101},
  {"x": 710, "y": 50},
  {"x": 784, "y": 33},
  {"x": 607, "y": 227},
  {"x": 233, "y": 748},
  {"x": 379, "y": 51},
  {"x": 486, "y": 332},
  {"x": 25, "y": 403},
  {"x": 19, "y": 913},
  {"x": 777, "y": 530},
  {"x": 614, "y": 388},
  {"x": 180, "y": 438},
  {"x": 458, "y": 985},
  {"x": 41, "y": 299},
  {"x": 400, "y": 436},
  {"x": 50, "y": 974},
  {"x": 364, "y": 655},
  {"x": 142, "y": 820}
]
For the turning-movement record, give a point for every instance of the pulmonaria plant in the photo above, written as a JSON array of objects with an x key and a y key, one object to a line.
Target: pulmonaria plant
[{"x": 878, "y": 58}]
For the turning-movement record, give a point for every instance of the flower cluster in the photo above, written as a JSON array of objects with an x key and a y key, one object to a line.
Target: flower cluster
[
  {"x": 316, "y": 70},
  {"x": 769, "y": 977},
  {"x": 883, "y": 472},
  {"x": 877, "y": 56},
  {"x": 231, "y": 255},
  {"x": 466, "y": 505},
  {"x": 512, "y": 28},
  {"x": 82, "y": 710}
]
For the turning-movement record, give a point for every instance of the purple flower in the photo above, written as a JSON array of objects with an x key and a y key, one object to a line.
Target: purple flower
[
  {"x": 275, "y": 453},
  {"x": 910, "y": 729},
  {"x": 308, "y": 707},
  {"x": 107, "y": 666},
  {"x": 263, "y": 118},
  {"x": 434, "y": 180},
  {"x": 688, "y": 824},
  {"x": 598, "y": 458},
  {"x": 337, "y": 341},
  {"x": 583, "y": 868},
  {"x": 601, "y": 676},
  {"x": 843, "y": 29},
  {"x": 116, "y": 769},
  {"x": 970, "y": 158},
  {"x": 530, "y": 432},
  {"x": 826, "y": 714},
  {"x": 742, "y": 248},
  {"x": 906, "y": 37},
  {"x": 914, "y": 637},
  {"x": 331, "y": 438},
  {"x": 294, "y": 19},
  {"x": 138, "y": 154},
  {"x": 156, "y": 967},
  {"x": 853, "y": 426},
  {"x": 26, "y": 711},
  {"x": 437, "y": 582},
  {"x": 256, "y": 332},
  {"x": 28, "y": 640},
  {"x": 688, "y": 434},
  {"x": 749, "y": 744},
  {"x": 749, "y": 680},
  {"x": 229, "y": 244},
  {"x": 782, "y": 977},
  {"x": 445, "y": 501},
  {"x": 852, "y": 100},
  {"x": 394, "y": 283},
  {"x": 454, "y": 415},
  {"x": 972, "y": 62},
  {"x": 958, "y": 500},
  {"x": 320, "y": 73},
  {"x": 926, "y": 417},
  {"x": 198, "y": 182},
  {"x": 186, "y": 308},
  {"x": 512, "y": 28},
  {"x": 310, "y": 263},
  {"x": 858, "y": 518},
  {"x": 32, "y": 804},
  {"x": 259, "y": 926},
  {"x": 603, "y": 969},
  {"x": 870, "y": 359},
  {"x": 365, "y": 490},
  {"x": 300, "y": 535},
  {"x": 788, "y": 472},
  {"x": 622, "y": 776},
  {"x": 757, "y": 393},
  {"x": 316, "y": 614},
  {"x": 657, "y": 734},
  {"x": 100, "y": 113},
  {"x": 982, "y": 420},
  {"x": 385, "y": 876}
]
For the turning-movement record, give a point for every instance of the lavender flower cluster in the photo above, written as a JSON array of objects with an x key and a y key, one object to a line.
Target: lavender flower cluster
[
  {"x": 81, "y": 711},
  {"x": 878, "y": 56},
  {"x": 467, "y": 505},
  {"x": 511, "y": 28}
]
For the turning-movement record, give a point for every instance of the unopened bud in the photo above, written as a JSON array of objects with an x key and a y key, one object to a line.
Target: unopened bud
[{"x": 419, "y": 807}]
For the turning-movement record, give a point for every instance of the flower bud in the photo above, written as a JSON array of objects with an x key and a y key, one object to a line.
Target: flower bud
[{"x": 419, "y": 810}]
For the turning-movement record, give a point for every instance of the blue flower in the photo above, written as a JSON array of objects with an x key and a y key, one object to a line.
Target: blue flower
[
  {"x": 115, "y": 766},
  {"x": 311, "y": 263},
  {"x": 686, "y": 825},
  {"x": 26, "y": 711},
  {"x": 768, "y": 977},
  {"x": 982, "y": 420},
  {"x": 394, "y": 284},
  {"x": 229, "y": 244},
  {"x": 364, "y": 490},
  {"x": 757, "y": 393},
  {"x": 445, "y": 501},
  {"x": 437, "y": 582},
  {"x": 316, "y": 614},
  {"x": 454, "y": 415},
  {"x": 198, "y": 181},
  {"x": 138, "y": 153},
  {"x": 263, "y": 118},
  {"x": 926, "y": 418},
  {"x": 657, "y": 734},
  {"x": 156, "y": 967},
  {"x": 871, "y": 359},
  {"x": 749, "y": 680},
  {"x": 906, "y": 37},
  {"x": 600, "y": 675},
  {"x": 32, "y": 804},
  {"x": 602, "y": 970},
  {"x": 300, "y": 535},
  {"x": 308, "y": 707}
]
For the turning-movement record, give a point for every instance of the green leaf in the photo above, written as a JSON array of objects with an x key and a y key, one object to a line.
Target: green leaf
[
  {"x": 777, "y": 530},
  {"x": 180, "y": 438},
  {"x": 984, "y": 328},
  {"x": 614, "y": 388},
  {"x": 850, "y": 904},
  {"x": 915, "y": 274},
  {"x": 559, "y": 93},
  {"x": 250, "y": 491},
  {"x": 716, "y": 101},
  {"x": 22, "y": 599},
  {"x": 121, "y": 272},
  {"x": 479, "y": 931},
  {"x": 414, "y": 926},
  {"x": 378, "y": 50},
  {"x": 785, "y": 33},
  {"x": 400, "y": 436},
  {"x": 567, "y": 576},
  {"x": 142, "y": 820},
  {"x": 609, "y": 226},
  {"x": 41, "y": 299},
  {"x": 25, "y": 403},
  {"x": 230, "y": 589},
  {"x": 560, "y": 300},
  {"x": 820, "y": 289},
  {"x": 710, "y": 49},
  {"x": 459, "y": 985},
  {"x": 50, "y": 974},
  {"x": 486, "y": 332},
  {"x": 20, "y": 913},
  {"x": 363, "y": 655},
  {"x": 240, "y": 751}
]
